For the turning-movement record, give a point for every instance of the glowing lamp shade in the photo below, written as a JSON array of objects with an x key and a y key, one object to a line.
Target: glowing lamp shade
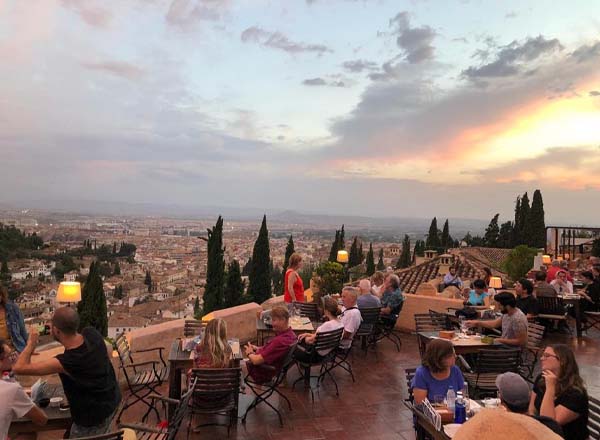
[
  {"x": 559, "y": 258},
  {"x": 342, "y": 257},
  {"x": 546, "y": 259},
  {"x": 69, "y": 292},
  {"x": 495, "y": 283}
]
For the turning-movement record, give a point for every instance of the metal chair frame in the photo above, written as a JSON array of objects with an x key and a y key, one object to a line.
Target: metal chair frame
[{"x": 489, "y": 365}]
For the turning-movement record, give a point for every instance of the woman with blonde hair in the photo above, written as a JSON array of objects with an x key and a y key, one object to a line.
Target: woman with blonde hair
[
  {"x": 293, "y": 285},
  {"x": 214, "y": 351}
]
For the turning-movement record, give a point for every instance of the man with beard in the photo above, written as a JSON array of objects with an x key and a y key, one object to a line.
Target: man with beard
[
  {"x": 513, "y": 321},
  {"x": 85, "y": 371}
]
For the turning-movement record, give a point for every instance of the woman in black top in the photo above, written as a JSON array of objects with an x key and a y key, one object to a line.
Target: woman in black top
[
  {"x": 559, "y": 392},
  {"x": 591, "y": 295}
]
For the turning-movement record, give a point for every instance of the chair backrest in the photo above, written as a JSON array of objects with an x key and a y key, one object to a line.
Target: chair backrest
[
  {"x": 535, "y": 335},
  {"x": 425, "y": 323},
  {"x": 117, "y": 435},
  {"x": 212, "y": 385},
  {"x": 180, "y": 411},
  {"x": 193, "y": 328},
  {"x": 498, "y": 361},
  {"x": 309, "y": 310},
  {"x": 370, "y": 315},
  {"x": 594, "y": 418},
  {"x": 287, "y": 363},
  {"x": 409, "y": 374},
  {"x": 440, "y": 319},
  {"x": 328, "y": 341},
  {"x": 122, "y": 347},
  {"x": 551, "y": 305}
]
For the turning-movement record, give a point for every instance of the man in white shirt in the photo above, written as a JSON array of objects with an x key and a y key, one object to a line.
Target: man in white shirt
[
  {"x": 561, "y": 284},
  {"x": 14, "y": 402},
  {"x": 350, "y": 317}
]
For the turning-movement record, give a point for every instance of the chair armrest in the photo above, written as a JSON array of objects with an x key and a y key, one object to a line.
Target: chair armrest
[
  {"x": 139, "y": 427},
  {"x": 164, "y": 399},
  {"x": 462, "y": 361},
  {"x": 148, "y": 349},
  {"x": 139, "y": 364}
]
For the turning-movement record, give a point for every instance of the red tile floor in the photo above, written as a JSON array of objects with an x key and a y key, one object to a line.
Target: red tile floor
[{"x": 372, "y": 408}]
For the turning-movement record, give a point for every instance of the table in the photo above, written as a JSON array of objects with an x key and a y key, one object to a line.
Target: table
[
  {"x": 461, "y": 346},
  {"x": 263, "y": 331},
  {"x": 180, "y": 361},
  {"x": 425, "y": 428},
  {"x": 57, "y": 419}
]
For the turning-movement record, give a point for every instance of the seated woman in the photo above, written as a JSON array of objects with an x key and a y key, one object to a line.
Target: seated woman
[
  {"x": 438, "y": 372},
  {"x": 214, "y": 351},
  {"x": 303, "y": 352},
  {"x": 559, "y": 392},
  {"x": 478, "y": 296}
]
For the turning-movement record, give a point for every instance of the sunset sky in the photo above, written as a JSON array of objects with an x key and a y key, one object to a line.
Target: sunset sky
[{"x": 370, "y": 107}]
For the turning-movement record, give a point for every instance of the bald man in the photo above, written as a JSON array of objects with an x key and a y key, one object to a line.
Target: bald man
[{"x": 85, "y": 371}]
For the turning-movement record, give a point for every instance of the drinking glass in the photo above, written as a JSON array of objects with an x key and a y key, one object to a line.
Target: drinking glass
[{"x": 438, "y": 400}]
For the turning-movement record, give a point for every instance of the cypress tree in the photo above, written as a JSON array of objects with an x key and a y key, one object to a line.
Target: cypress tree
[
  {"x": 370, "y": 261},
  {"x": 354, "y": 258},
  {"x": 197, "y": 309},
  {"x": 276, "y": 277},
  {"x": 215, "y": 269},
  {"x": 380, "y": 263},
  {"x": 505, "y": 235},
  {"x": 289, "y": 250},
  {"x": 525, "y": 227},
  {"x": 537, "y": 222},
  {"x": 342, "y": 244},
  {"x": 335, "y": 247},
  {"x": 491, "y": 233},
  {"x": 117, "y": 270},
  {"x": 247, "y": 266},
  {"x": 5, "y": 275},
  {"x": 92, "y": 307},
  {"x": 259, "y": 288},
  {"x": 446, "y": 240},
  {"x": 361, "y": 255},
  {"x": 405, "y": 258},
  {"x": 433, "y": 239},
  {"x": 517, "y": 226},
  {"x": 234, "y": 288},
  {"x": 114, "y": 251}
]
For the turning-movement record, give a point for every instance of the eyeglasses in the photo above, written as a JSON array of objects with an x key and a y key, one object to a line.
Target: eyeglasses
[{"x": 548, "y": 355}]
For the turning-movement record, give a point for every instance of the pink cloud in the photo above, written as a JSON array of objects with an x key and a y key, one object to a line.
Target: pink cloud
[
  {"x": 91, "y": 14},
  {"x": 118, "y": 68}
]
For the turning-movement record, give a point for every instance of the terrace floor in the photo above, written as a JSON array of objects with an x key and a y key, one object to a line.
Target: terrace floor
[{"x": 372, "y": 408}]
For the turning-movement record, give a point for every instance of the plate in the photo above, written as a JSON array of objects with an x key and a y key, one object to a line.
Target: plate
[{"x": 451, "y": 428}]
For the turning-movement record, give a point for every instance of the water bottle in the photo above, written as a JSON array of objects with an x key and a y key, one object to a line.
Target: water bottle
[
  {"x": 6, "y": 376},
  {"x": 451, "y": 399},
  {"x": 460, "y": 410}
]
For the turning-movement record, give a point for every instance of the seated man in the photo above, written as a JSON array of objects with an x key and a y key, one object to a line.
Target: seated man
[
  {"x": 542, "y": 288},
  {"x": 392, "y": 298},
  {"x": 15, "y": 403},
  {"x": 350, "y": 316},
  {"x": 367, "y": 299},
  {"x": 526, "y": 302},
  {"x": 513, "y": 321},
  {"x": 452, "y": 279},
  {"x": 273, "y": 353},
  {"x": 85, "y": 370},
  {"x": 514, "y": 394},
  {"x": 561, "y": 284}
]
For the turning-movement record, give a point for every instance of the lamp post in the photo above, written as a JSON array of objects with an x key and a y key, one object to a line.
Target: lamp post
[
  {"x": 69, "y": 292},
  {"x": 342, "y": 258}
]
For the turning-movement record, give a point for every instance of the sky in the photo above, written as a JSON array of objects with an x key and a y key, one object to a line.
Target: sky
[{"x": 366, "y": 107}]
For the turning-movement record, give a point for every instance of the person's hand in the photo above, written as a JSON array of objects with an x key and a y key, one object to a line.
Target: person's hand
[
  {"x": 34, "y": 337},
  {"x": 248, "y": 350},
  {"x": 471, "y": 323},
  {"x": 550, "y": 379},
  {"x": 302, "y": 336}
]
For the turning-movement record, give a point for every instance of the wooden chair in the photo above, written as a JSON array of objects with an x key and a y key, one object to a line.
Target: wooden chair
[
  {"x": 425, "y": 323},
  {"x": 592, "y": 320},
  {"x": 553, "y": 309},
  {"x": 324, "y": 342},
  {"x": 489, "y": 365},
  {"x": 530, "y": 355},
  {"x": 117, "y": 435},
  {"x": 409, "y": 374},
  {"x": 143, "y": 378},
  {"x": 263, "y": 391},
  {"x": 366, "y": 331},
  {"x": 215, "y": 391},
  {"x": 386, "y": 326},
  {"x": 309, "y": 310},
  {"x": 594, "y": 418},
  {"x": 152, "y": 432},
  {"x": 193, "y": 328}
]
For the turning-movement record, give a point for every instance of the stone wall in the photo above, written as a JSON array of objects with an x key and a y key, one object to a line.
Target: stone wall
[{"x": 414, "y": 304}]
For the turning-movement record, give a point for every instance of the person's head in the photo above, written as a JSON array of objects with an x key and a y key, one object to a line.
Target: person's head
[
  {"x": 452, "y": 270},
  {"x": 364, "y": 286},
  {"x": 506, "y": 301},
  {"x": 588, "y": 277},
  {"x": 540, "y": 276},
  {"x": 392, "y": 282},
  {"x": 564, "y": 264},
  {"x": 349, "y": 295},
  {"x": 479, "y": 286},
  {"x": 514, "y": 392},
  {"x": 524, "y": 287},
  {"x": 561, "y": 275},
  {"x": 560, "y": 359},
  {"x": 596, "y": 271},
  {"x": 390, "y": 269},
  {"x": 439, "y": 356},
  {"x": 330, "y": 307},
  {"x": 487, "y": 273},
  {"x": 5, "y": 362},
  {"x": 377, "y": 278},
  {"x": 214, "y": 343},
  {"x": 295, "y": 261},
  {"x": 555, "y": 263},
  {"x": 65, "y": 323},
  {"x": 3, "y": 295},
  {"x": 280, "y": 318}
]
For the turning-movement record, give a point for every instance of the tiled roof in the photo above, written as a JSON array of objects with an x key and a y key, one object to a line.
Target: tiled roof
[{"x": 490, "y": 257}]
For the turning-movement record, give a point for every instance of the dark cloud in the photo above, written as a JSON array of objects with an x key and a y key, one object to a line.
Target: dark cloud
[
  {"x": 277, "y": 40},
  {"x": 358, "y": 66},
  {"x": 414, "y": 41},
  {"x": 322, "y": 82},
  {"x": 594, "y": 93},
  {"x": 511, "y": 14},
  {"x": 586, "y": 52},
  {"x": 118, "y": 68},
  {"x": 92, "y": 15},
  {"x": 510, "y": 59},
  {"x": 185, "y": 14}
]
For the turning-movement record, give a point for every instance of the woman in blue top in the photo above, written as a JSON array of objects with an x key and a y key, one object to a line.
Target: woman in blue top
[
  {"x": 12, "y": 325},
  {"x": 478, "y": 296},
  {"x": 438, "y": 372}
]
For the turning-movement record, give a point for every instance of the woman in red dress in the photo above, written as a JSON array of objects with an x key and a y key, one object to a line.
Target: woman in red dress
[{"x": 294, "y": 288}]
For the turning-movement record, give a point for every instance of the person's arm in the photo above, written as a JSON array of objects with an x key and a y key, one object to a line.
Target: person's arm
[
  {"x": 561, "y": 414},
  {"x": 485, "y": 324},
  {"x": 419, "y": 395},
  {"x": 532, "y": 403},
  {"x": 22, "y": 327},
  {"x": 290, "y": 285},
  {"x": 486, "y": 301},
  {"x": 256, "y": 359},
  {"x": 569, "y": 287},
  {"x": 24, "y": 366},
  {"x": 37, "y": 416}
]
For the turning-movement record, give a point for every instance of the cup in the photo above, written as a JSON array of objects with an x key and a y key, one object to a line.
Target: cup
[
  {"x": 438, "y": 400},
  {"x": 55, "y": 402}
]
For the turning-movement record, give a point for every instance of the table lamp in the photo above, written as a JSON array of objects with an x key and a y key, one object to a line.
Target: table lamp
[
  {"x": 69, "y": 292},
  {"x": 546, "y": 259},
  {"x": 495, "y": 283},
  {"x": 342, "y": 257}
]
